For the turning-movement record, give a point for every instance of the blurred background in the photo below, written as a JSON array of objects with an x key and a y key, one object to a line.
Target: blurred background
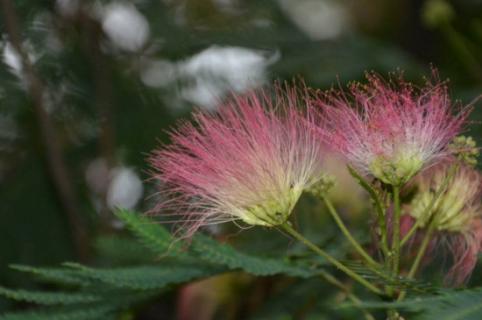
[{"x": 88, "y": 88}]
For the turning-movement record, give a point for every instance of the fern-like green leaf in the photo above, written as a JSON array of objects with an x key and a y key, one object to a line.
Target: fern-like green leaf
[
  {"x": 446, "y": 305},
  {"x": 122, "y": 250},
  {"x": 147, "y": 277},
  {"x": 47, "y": 298},
  {"x": 453, "y": 305},
  {"x": 381, "y": 277},
  {"x": 215, "y": 252},
  {"x": 206, "y": 249},
  {"x": 154, "y": 236},
  {"x": 79, "y": 313},
  {"x": 54, "y": 275}
]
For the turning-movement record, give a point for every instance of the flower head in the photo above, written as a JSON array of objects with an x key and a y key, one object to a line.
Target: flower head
[
  {"x": 456, "y": 215},
  {"x": 456, "y": 207},
  {"x": 390, "y": 130},
  {"x": 251, "y": 161}
]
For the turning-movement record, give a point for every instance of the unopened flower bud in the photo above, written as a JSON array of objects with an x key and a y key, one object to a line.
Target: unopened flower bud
[
  {"x": 465, "y": 149},
  {"x": 322, "y": 186}
]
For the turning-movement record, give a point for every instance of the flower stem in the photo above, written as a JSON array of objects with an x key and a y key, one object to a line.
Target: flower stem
[
  {"x": 295, "y": 234},
  {"x": 396, "y": 230},
  {"x": 378, "y": 207},
  {"x": 333, "y": 212},
  {"x": 418, "y": 258}
]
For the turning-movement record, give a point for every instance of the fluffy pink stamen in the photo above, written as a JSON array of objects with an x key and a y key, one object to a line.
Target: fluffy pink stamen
[
  {"x": 385, "y": 119},
  {"x": 465, "y": 249},
  {"x": 256, "y": 149}
]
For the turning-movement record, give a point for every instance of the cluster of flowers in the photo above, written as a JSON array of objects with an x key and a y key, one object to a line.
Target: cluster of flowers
[{"x": 250, "y": 161}]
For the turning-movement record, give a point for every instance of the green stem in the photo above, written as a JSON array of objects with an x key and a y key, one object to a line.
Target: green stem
[
  {"x": 418, "y": 258},
  {"x": 353, "y": 298},
  {"x": 295, "y": 234},
  {"x": 378, "y": 207},
  {"x": 333, "y": 212},
  {"x": 396, "y": 230}
]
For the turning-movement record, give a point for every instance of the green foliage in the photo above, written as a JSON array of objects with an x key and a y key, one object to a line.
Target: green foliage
[
  {"x": 381, "y": 277},
  {"x": 453, "y": 305},
  {"x": 78, "y": 313},
  {"x": 206, "y": 249},
  {"x": 54, "y": 275},
  {"x": 97, "y": 292},
  {"x": 122, "y": 250},
  {"x": 215, "y": 252},
  {"x": 445, "y": 305},
  {"x": 146, "y": 277},
  {"x": 47, "y": 298},
  {"x": 152, "y": 235}
]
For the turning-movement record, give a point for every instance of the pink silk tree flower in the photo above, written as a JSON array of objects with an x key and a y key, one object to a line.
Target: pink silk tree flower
[
  {"x": 456, "y": 215},
  {"x": 389, "y": 130},
  {"x": 248, "y": 162}
]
